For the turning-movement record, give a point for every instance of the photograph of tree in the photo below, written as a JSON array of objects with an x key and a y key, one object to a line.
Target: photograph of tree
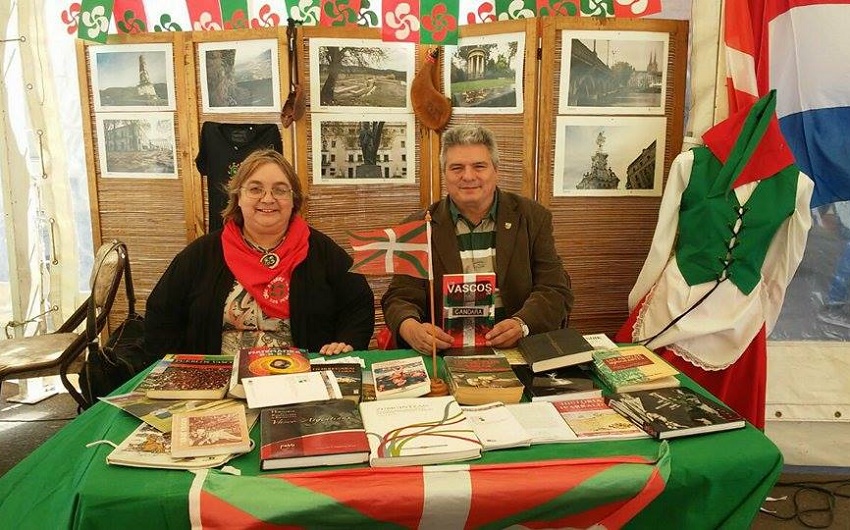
[
  {"x": 620, "y": 72},
  {"x": 132, "y": 77},
  {"x": 374, "y": 149},
  {"x": 136, "y": 145},
  {"x": 239, "y": 76},
  {"x": 359, "y": 75},
  {"x": 484, "y": 74},
  {"x": 609, "y": 156}
]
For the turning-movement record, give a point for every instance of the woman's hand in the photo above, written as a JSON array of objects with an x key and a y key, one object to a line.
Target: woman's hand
[{"x": 335, "y": 348}]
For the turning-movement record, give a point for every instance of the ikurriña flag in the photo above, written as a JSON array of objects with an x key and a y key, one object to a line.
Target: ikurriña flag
[{"x": 402, "y": 249}]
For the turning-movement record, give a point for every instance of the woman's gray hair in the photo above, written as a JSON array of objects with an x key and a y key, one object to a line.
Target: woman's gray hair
[{"x": 469, "y": 135}]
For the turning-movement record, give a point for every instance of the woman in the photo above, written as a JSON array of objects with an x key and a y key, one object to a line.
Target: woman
[{"x": 265, "y": 278}]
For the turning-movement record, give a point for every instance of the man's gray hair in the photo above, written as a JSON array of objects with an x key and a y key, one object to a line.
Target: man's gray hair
[{"x": 469, "y": 135}]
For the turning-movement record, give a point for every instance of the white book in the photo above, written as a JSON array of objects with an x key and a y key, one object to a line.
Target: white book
[
  {"x": 417, "y": 432},
  {"x": 543, "y": 422},
  {"x": 496, "y": 427},
  {"x": 600, "y": 341},
  {"x": 286, "y": 389}
]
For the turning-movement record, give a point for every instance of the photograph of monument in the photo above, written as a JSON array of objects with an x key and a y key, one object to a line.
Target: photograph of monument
[
  {"x": 484, "y": 74},
  {"x": 609, "y": 156},
  {"x": 132, "y": 77},
  {"x": 613, "y": 72},
  {"x": 239, "y": 76}
]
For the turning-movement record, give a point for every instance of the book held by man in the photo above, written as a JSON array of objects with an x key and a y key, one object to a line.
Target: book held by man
[
  {"x": 418, "y": 431},
  {"x": 478, "y": 379},
  {"x": 400, "y": 378},
  {"x": 210, "y": 432},
  {"x": 469, "y": 307},
  {"x": 672, "y": 412},
  {"x": 259, "y": 361},
  {"x": 180, "y": 376},
  {"x": 592, "y": 419},
  {"x": 632, "y": 368},
  {"x": 555, "y": 349},
  {"x": 321, "y": 433},
  {"x": 571, "y": 382}
]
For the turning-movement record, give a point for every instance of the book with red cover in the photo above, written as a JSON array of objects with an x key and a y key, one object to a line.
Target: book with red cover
[
  {"x": 320, "y": 433},
  {"x": 469, "y": 308},
  {"x": 179, "y": 376}
]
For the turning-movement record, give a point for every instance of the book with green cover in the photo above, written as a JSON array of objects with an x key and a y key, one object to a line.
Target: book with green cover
[{"x": 633, "y": 367}]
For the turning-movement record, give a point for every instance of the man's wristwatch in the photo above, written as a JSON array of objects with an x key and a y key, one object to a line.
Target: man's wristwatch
[{"x": 522, "y": 325}]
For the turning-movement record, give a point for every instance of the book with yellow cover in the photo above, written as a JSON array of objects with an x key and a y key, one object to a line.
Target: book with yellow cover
[{"x": 633, "y": 367}]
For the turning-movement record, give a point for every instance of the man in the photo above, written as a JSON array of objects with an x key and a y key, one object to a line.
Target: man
[{"x": 479, "y": 228}]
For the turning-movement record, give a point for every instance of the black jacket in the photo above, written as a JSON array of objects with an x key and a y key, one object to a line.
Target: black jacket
[{"x": 185, "y": 310}]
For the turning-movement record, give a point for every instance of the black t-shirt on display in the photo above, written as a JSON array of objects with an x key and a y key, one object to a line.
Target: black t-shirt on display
[{"x": 223, "y": 147}]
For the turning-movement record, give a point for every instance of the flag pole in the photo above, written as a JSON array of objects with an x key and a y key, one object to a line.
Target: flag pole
[{"x": 438, "y": 386}]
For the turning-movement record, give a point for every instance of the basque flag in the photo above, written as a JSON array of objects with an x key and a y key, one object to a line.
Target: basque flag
[
  {"x": 402, "y": 249},
  {"x": 802, "y": 49}
]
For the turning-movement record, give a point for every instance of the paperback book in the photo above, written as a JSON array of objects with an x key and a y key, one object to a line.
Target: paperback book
[
  {"x": 672, "y": 412},
  {"x": 349, "y": 377},
  {"x": 260, "y": 361},
  {"x": 496, "y": 427},
  {"x": 210, "y": 432},
  {"x": 555, "y": 349},
  {"x": 286, "y": 389},
  {"x": 479, "y": 379},
  {"x": 592, "y": 419},
  {"x": 571, "y": 382},
  {"x": 542, "y": 421},
  {"x": 178, "y": 376},
  {"x": 400, "y": 378},
  {"x": 632, "y": 368},
  {"x": 147, "y": 446},
  {"x": 419, "y": 431},
  {"x": 158, "y": 412},
  {"x": 469, "y": 307},
  {"x": 323, "y": 433}
]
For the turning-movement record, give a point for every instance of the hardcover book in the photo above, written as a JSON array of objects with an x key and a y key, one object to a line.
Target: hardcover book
[
  {"x": 571, "y": 382},
  {"x": 287, "y": 389},
  {"x": 469, "y": 307},
  {"x": 181, "y": 376},
  {"x": 592, "y": 419},
  {"x": 210, "y": 432},
  {"x": 265, "y": 360},
  {"x": 349, "y": 377},
  {"x": 632, "y": 368},
  {"x": 673, "y": 412},
  {"x": 323, "y": 433},
  {"x": 400, "y": 378},
  {"x": 420, "y": 431},
  {"x": 555, "y": 349},
  {"x": 479, "y": 379}
]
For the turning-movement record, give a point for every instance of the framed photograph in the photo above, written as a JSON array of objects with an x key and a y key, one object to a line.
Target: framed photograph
[
  {"x": 132, "y": 77},
  {"x": 613, "y": 72},
  {"x": 363, "y": 149},
  {"x": 136, "y": 145},
  {"x": 360, "y": 75},
  {"x": 484, "y": 74},
  {"x": 239, "y": 76},
  {"x": 609, "y": 156}
]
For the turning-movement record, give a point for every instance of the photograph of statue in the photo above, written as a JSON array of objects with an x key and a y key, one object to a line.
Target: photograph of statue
[
  {"x": 239, "y": 76},
  {"x": 132, "y": 77},
  {"x": 610, "y": 155},
  {"x": 608, "y": 72},
  {"x": 136, "y": 145}
]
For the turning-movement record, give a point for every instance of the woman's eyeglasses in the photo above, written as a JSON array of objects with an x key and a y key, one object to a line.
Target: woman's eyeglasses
[{"x": 258, "y": 192}]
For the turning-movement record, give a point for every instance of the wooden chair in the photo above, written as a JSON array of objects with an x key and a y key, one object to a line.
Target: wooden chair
[{"x": 61, "y": 352}]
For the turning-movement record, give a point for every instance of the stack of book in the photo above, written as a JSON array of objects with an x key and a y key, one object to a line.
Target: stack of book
[
  {"x": 479, "y": 379},
  {"x": 633, "y": 368}
]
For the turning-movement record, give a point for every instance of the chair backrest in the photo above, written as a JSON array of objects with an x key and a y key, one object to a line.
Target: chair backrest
[{"x": 110, "y": 264}]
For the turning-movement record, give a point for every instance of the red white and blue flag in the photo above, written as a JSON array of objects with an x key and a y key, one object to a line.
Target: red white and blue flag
[
  {"x": 402, "y": 249},
  {"x": 580, "y": 493},
  {"x": 801, "y": 48}
]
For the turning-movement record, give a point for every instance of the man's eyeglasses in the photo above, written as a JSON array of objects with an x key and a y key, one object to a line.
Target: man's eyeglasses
[{"x": 258, "y": 192}]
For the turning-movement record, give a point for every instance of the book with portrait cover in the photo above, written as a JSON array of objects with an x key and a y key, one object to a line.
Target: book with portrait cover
[
  {"x": 322, "y": 433},
  {"x": 210, "y": 432},
  {"x": 672, "y": 412},
  {"x": 258, "y": 361},
  {"x": 633, "y": 368},
  {"x": 349, "y": 377},
  {"x": 400, "y": 378},
  {"x": 469, "y": 308},
  {"x": 592, "y": 419},
  {"x": 571, "y": 382},
  {"x": 418, "y": 432},
  {"x": 180, "y": 376},
  {"x": 479, "y": 379}
]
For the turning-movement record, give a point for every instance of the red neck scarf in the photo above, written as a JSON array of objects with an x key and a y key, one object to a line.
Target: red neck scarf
[{"x": 269, "y": 287}]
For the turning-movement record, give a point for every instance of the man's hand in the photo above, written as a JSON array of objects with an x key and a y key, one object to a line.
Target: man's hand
[
  {"x": 420, "y": 338},
  {"x": 335, "y": 348},
  {"x": 505, "y": 334}
]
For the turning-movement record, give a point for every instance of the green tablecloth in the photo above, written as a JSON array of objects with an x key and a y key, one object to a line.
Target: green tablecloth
[{"x": 716, "y": 481}]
